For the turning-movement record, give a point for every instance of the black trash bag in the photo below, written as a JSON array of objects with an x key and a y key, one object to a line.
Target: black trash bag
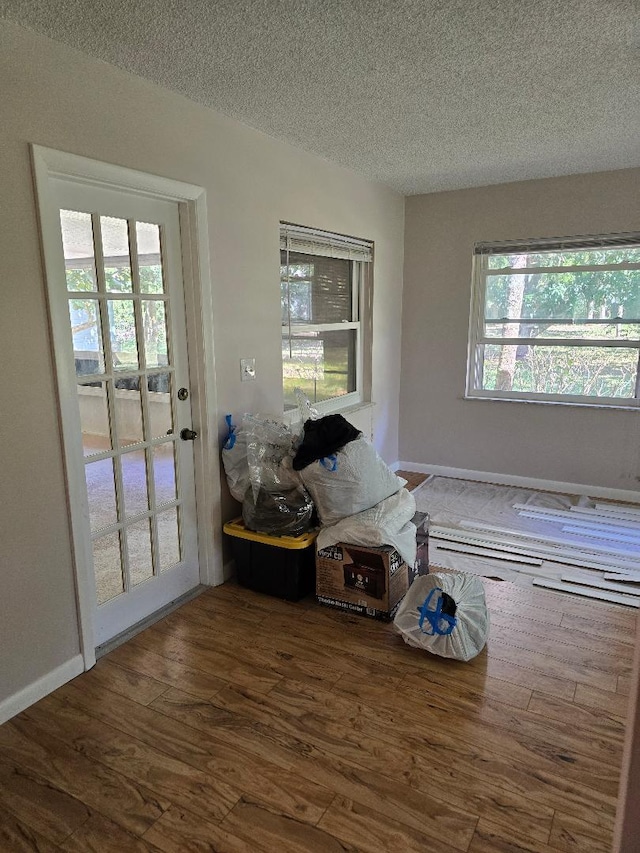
[
  {"x": 323, "y": 437},
  {"x": 276, "y": 501},
  {"x": 287, "y": 512}
]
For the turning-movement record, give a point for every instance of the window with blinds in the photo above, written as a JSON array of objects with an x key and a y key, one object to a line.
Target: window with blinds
[
  {"x": 557, "y": 321},
  {"x": 323, "y": 298}
]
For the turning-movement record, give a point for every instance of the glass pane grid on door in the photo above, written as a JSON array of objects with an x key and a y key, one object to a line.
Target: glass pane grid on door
[{"x": 119, "y": 312}]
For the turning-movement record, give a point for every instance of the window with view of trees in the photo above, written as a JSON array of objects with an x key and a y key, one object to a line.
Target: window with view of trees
[
  {"x": 322, "y": 299},
  {"x": 557, "y": 321}
]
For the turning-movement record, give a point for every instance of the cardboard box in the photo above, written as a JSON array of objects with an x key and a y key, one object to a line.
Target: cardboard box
[{"x": 371, "y": 581}]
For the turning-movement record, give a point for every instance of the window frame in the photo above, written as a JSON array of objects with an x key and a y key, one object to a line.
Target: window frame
[
  {"x": 477, "y": 334},
  {"x": 361, "y": 288}
]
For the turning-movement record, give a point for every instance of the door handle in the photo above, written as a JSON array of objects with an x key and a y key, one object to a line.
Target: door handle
[{"x": 187, "y": 434}]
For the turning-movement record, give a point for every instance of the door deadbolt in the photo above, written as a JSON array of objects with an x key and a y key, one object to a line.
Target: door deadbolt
[
  {"x": 187, "y": 434},
  {"x": 183, "y": 393}
]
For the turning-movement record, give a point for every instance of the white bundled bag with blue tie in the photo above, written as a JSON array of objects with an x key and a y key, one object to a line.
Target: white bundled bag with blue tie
[
  {"x": 446, "y": 614},
  {"x": 349, "y": 481}
]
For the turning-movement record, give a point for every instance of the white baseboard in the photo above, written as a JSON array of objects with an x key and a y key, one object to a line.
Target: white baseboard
[
  {"x": 40, "y": 688},
  {"x": 625, "y": 495}
]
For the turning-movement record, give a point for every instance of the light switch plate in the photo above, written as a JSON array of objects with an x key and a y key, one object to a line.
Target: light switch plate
[{"x": 247, "y": 369}]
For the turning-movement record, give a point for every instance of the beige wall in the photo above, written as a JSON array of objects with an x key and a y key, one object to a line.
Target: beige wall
[
  {"x": 437, "y": 427},
  {"x": 53, "y": 96}
]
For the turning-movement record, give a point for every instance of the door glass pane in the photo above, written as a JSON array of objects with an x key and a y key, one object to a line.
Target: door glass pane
[
  {"x": 88, "y": 350},
  {"x": 160, "y": 414},
  {"x": 77, "y": 242},
  {"x": 155, "y": 332},
  {"x": 115, "y": 250},
  {"x": 168, "y": 539},
  {"x": 149, "y": 258},
  {"x": 134, "y": 482},
  {"x": 102, "y": 493},
  {"x": 164, "y": 472},
  {"x": 128, "y": 407},
  {"x": 94, "y": 417},
  {"x": 107, "y": 565},
  {"x": 122, "y": 330},
  {"x": 139, "y": 549}
]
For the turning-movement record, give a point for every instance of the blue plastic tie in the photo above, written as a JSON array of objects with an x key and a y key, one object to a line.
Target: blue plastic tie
[
  {"x": 330, "y": 462},
  {"x": 435, "y": 617},
  {"x": 231, "y": 435}
]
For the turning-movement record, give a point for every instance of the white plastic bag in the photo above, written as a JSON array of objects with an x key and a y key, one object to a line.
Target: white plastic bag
[
  {"x": 277, "y": 503},
  {"x": 269, "y": 443},
  {"x": 303, "y": 412},
  {"x": 387, "y": 523},
  {"x": 234, "y": 459},
  {"x": 446, "y": 614},
  {"x": 349, "y": 481}
]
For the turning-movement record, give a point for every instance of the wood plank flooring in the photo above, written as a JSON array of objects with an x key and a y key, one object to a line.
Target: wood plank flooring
[
  {"x": 413, "y": 478},
  {"x": 243, "y": 723}
]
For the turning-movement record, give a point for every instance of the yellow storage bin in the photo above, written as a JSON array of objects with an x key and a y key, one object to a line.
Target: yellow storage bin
[{"x": 283, "y": 566}]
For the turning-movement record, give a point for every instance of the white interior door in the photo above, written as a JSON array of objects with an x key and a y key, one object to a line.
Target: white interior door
[{"x": 120, "y": 294}]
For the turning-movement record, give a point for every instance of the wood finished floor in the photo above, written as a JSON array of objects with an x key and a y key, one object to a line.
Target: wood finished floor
[
  {"x": 413, "y": 479},
  {"x": 244, "y": 723}
]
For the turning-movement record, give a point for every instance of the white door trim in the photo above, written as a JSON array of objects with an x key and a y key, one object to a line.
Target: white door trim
[{"x": 49, "y": 163}]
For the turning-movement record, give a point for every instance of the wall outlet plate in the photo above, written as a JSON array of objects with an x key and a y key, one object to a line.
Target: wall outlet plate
[{"x": 247, "y": 369}]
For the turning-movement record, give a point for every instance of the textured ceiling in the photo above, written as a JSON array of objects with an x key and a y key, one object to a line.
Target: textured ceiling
[{"x": 422, "y": 95}]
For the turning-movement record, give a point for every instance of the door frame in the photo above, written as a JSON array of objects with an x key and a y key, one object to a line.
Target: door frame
[{"x": 48, "y": 163}]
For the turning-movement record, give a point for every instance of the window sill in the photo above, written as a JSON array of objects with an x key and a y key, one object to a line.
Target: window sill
[
  {"x": 626, "y": 407},
  {"x": 360, "y": 414}
]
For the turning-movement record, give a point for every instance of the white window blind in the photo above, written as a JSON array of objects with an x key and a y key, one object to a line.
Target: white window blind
[
  {"x": 558, "y": 244},
  {"x": 308, "y": 241}
]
